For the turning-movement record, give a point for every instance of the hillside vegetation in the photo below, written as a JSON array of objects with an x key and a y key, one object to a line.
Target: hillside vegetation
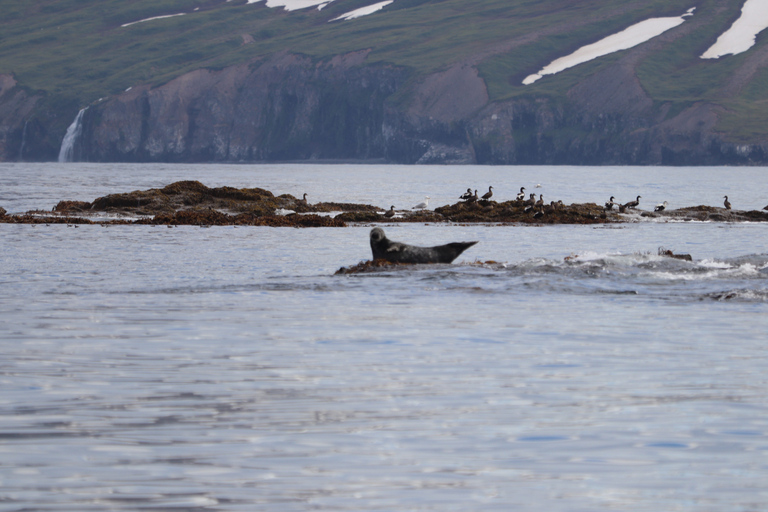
[{"x": 77, "y": 51}]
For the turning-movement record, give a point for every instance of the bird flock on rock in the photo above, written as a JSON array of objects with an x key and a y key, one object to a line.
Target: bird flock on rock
[{"x": 536, "y": 205}]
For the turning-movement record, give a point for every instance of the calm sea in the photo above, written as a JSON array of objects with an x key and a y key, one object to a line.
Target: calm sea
[{"x": 550, "y": 368}]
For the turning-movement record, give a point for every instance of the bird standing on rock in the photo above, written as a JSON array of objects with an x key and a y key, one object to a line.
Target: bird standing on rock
[
  {"x": 660, "y": 207},
  {"x": 466, "y": 195},
  {"x": 727, "y": 203},
  {"x": 423, "y": 205},
  {"x": 391, "y": 212},
  {"x": 529, "y": 202},
  {"x": 609, "y": 204},
  {"x": 488, "y": 194},
  {"x": 520, "y": 195},
  {"x": 633, "y": 204}
]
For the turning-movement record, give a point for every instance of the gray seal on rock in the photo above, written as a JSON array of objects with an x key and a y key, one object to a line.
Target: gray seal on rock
[{"x": 396, "y": 252}]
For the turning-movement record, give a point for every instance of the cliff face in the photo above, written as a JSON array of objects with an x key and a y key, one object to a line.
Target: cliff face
[
  {"x": 285, "y": 108},
  {"x": 18, "y": 136},
  {"x": 450, "y": 94},
  {"x": 291, "y": 108}
]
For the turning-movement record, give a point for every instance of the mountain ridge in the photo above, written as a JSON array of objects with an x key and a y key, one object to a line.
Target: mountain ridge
[{"x": 448, "y": 85}]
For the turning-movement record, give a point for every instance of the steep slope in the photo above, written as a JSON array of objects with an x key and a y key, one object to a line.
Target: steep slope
[{"x": 429, "y": 81}]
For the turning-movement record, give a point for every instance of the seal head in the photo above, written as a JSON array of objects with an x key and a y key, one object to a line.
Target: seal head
[{"x": 396, "y": 252}]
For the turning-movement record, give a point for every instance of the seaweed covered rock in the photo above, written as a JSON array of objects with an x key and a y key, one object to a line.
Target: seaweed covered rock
[
  {"x": 517, "y": 212},
  {"x": 2, "y": 211},
  {"x": 370, "y": 266},
  {"x": 68, "y": 207},
  {"x": 710, "y": 213}
]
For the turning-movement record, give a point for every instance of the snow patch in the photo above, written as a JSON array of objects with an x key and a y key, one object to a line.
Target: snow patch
[
  {"x": 363, "y": 11},
  {"x": 155, "y": 18},
  {"x": 294, "y": 5},
  {"x": 627, "y": 38},
  {"x": 741, "y": 36}
]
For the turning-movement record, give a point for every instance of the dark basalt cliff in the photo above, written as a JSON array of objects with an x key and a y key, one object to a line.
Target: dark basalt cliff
[
  {"x": 286, "y": 108},
  {"x": 291, "y": 108},
  {"x": 381, "y": 88}
]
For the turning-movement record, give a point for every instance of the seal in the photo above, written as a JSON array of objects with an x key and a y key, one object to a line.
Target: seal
[{"x": 396, "y": 252}]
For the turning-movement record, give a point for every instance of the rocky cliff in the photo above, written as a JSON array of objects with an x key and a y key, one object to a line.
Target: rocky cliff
[
  {"x": 292, "y": 108},
  {"x": 656, "y": 103}
]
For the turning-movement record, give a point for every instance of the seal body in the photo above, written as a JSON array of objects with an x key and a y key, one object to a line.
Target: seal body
[{"x": 396, "y": 252}]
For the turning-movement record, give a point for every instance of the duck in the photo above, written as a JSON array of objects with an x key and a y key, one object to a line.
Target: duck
[
  {"x": 466, "y": 195},
  {"x": 391, "y": 212},
  {"x": 633, "y": 204},
  {"x": 520, "y": 195},
  {"x": 727, "y": 203},
  {"x": 488, "y": 194},
  {"x": 609, "y": 204},
  {"x": 660, "y": 207}
]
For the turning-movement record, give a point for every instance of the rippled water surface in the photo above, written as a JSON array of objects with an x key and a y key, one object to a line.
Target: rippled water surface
[{"x": 557, "y": 368}]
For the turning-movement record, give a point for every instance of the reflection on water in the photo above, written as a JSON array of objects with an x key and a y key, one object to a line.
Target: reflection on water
[{"x": 230, "y": 369}]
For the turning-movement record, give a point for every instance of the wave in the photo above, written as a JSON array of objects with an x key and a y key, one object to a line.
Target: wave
[{"x": 649, "y": 274}]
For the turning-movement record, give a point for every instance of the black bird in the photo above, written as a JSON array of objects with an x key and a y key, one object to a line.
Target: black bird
[
  {"x": 633, "y": 204},
  {"x": 609, "y": 204},
  {"x": 390, "y": 212},
  {"x": 466, "y": 195},
  {"x": 727, "y": 203},
  {"x": 396, "y": 252},
  {"x": 520, "y": 195},
  {"x": 488, "y": 194},
  {"x": 529, "y": 203},
  {"x": 660, "y": 207}
]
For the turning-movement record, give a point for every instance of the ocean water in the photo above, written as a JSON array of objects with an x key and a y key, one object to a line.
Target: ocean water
[{"x": 558, "y": 368}]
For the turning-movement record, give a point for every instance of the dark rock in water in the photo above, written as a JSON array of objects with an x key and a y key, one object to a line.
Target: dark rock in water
[
  {"x": 2, "y": 211},
  {"x": 670, "y": 254},
  {"x": 369, "y": 266},
  {"x": 68, "y": 207},
  {"x": 397, "y": 252}
]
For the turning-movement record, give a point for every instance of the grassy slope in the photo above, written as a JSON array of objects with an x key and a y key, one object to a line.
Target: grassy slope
[{"x": 76, "y": 49}]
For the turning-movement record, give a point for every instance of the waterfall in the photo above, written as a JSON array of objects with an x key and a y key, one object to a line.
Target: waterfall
[
  {"x": 23, "y": 140},
  {"x": 67, "y": 151}
]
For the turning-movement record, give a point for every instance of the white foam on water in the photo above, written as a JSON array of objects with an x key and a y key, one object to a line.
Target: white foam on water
[
  {"x": 627, "y": 38},
  {"x": 741, "y": 36}
]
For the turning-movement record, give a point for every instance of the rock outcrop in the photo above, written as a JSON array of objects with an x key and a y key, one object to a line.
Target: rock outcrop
[
  {"x": 17, "y": 137},
  {"x": 291, "y": 108},
  {"x": 288, "y": 107}
]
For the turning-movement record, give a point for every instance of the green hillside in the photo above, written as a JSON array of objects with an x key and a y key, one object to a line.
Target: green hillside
[
  {"x": 79, "y": 47},
  {"x": 78, "y": 51}
]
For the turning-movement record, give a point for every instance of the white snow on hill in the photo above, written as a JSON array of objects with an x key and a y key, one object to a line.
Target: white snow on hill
[
  {"x": 627, "y": 38},
  {"x": 363, "y": 11},
  {"x": 741, "y": 36}
]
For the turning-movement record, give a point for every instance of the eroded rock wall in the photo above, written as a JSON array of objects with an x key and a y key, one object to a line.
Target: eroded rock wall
[{"x": 285, "y": 108}]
